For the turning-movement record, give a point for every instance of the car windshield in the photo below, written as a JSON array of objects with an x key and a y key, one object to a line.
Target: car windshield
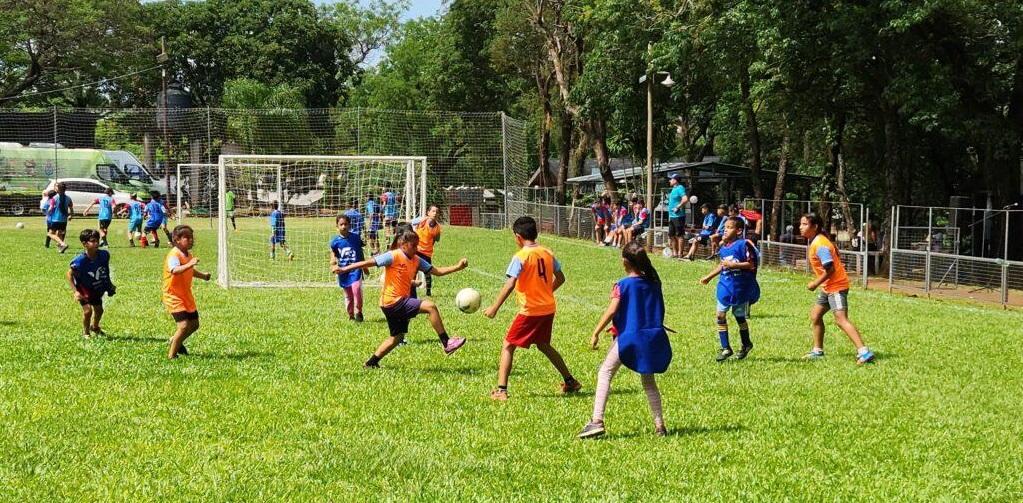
[{"x": 135, "y": 172}]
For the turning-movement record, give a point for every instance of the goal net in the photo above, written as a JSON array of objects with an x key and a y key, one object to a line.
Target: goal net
[{"x": 310, "y": 192}]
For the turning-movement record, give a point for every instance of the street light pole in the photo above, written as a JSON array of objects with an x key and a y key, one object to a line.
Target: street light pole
[{"x": 649, "y": 147}]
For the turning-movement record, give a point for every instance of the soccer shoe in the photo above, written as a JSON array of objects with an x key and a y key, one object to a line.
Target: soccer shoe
[
  {"x": 499, "y": 395},
  {"x": 183, "y": 350},
  {"x": 291, "y": 256},
  {"x": 97, "y": 331},
  {"x": 358, "y": 317},
  {"x": 592, "y": 430},
  {"x": 661, "y": 431},
  {"x": 865, "y": 357},
  {"x": 453, "y": 344},
  {"x": 743, "y": 352},
  {"x": 369, "y": 365},
  {"x": 571, "y": 387},
  {"x": 273, "y": 256},
  {"x": 63, "y": 248},
  {"x": 104, "y": 243},
  {"x": 131, "y": 243},
  {"x": 156, "y": 244},
  {"x": 724, "y": 354},
  {"x": 814, "y": 354}
]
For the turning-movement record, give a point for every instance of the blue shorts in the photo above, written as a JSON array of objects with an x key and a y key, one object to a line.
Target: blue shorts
[
  {"x": 135, "y": 226},
  {"x": 278, "y": 237},
  {"x": 738, "y": 310}
]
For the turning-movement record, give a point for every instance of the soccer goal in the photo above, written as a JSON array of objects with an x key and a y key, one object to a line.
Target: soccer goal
[{"x": 310, "y": 192}]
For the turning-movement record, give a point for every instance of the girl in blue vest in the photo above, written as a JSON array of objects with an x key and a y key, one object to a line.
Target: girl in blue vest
[
  {"x": 641, "y": 343},
  {"x": 737, "y": 288}
]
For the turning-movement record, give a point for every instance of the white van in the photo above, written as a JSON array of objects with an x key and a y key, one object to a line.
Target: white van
[{"x": 135, "y": 170}]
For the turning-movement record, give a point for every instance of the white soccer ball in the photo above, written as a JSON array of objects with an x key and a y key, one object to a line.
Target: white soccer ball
[
  {"x": 20, "y": 225},
  {"x": 666, "y": 252},
  {"x": 468, "y": 300},
  {"x": 693, "y": 200}
]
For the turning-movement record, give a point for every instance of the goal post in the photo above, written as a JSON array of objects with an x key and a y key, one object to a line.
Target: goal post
[{"x": 310, "y": 191}]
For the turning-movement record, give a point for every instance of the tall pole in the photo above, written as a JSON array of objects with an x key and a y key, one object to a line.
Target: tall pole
[
  {"x": 162, "y": 58},
  {"x": 649, "y": 146}
]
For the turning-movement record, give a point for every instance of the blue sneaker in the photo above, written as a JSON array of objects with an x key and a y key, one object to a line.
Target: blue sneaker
[
  {"x": 865, "y": 357},
  {"x": 814, "y": 354}
]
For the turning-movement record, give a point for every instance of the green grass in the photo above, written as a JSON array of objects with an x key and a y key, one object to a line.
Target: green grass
[{"x": 274, "y": 404}]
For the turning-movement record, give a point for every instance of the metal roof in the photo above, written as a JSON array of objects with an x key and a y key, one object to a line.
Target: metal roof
[{"x": 705, "y": 169}]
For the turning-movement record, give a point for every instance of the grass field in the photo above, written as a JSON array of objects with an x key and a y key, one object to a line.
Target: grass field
[{"x": 274, "y": 404}]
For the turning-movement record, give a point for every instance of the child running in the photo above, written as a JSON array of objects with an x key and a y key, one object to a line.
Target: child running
[
  {"x": 154, "y": 218},
  {"x": 135, "y": 212},
  {"x": 737, "y": 288},
  {"x": 373, "y": 225},
  {"x": 105, "y": 214},
  {"x": 534, "y": 274},
  {"x": 59, "y": 211},
  {"x": 824, "y": 258},
  {"x": 345, "y": 249},
  {"x": 89, "y": 277},
  {"x": 428, "y": 229},
  {"x": 277, "y": 233},
  {"x": 178, "y": 270},
  {"x": 400, "y": 266},
  {"x": 641, "y": 342}
]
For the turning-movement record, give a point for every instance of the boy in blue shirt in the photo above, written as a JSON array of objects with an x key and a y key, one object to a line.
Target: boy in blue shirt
[
  {"x": 390, "y": 202},
  {"x": 89, "y": 277},
  {"x": 354, "y": 217},
  {"x": 277, "y": 233},
  {"x": 105, "y": 215},
  {"x": 154, "y": 217},
  {"x": 346, "y": 249},
  {"x": 709, "y": 227},
  {"x": 374, "y": 217},
  {"x": 135, "y": 212},
  {"x": 737, "y": 287},
  {"x": 44, "y": 206},
  {"x": 59, "y": 211}
]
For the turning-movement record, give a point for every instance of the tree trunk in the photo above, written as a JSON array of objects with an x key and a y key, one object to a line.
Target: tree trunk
[
  {"x": 578, "y": 159},
  {"x": 890, "y": 164},
  {"x": 838, "y": 164},
  {"x": 544, "y": 147},
  {"x": 779, "y": 184},
  {"x": 598, "y": 129},
  {"x": 564, "y": 155},
  {"x": 752, "y": 130}
]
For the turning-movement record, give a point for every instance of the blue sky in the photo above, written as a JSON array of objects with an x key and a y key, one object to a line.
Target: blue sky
[{"x": 417, "y": 8}]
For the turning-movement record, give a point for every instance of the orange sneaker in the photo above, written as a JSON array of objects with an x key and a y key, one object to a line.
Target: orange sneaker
[{"x": 498, "y": 394}]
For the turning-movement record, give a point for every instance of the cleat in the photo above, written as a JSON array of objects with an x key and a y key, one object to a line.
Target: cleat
[
  {"x": 592, "y": 430},
  {"x": 814, "y": 355},
  {"x": 724, "y": 354},
  {"x": 453, "y": 344},
  {"x": 743, "y": 352},
  {"x": 499, "y": 395},
  {"x": 358, "y": 317},
  {"x": 865, "y": 357},
  {"x": 661, "y": 431},
  {"x": 571, "y": 387}
]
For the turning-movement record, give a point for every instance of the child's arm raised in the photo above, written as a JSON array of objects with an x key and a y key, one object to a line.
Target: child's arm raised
[
  {"x": 506, "y": 290},
  {"x": 444, "y": 271},
  {"x": 605, "y": 318},
  {"x": 706, "y": 279}
]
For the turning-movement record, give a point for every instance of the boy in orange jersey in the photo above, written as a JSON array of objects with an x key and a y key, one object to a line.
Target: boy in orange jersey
[
  {"x": 534, "y": 274},
  {"x": 831, "y": 278},
  {"x": 178, "y": 270},
  {"x": 401, "y": 265},
  {"x": 428, "y": 229}
]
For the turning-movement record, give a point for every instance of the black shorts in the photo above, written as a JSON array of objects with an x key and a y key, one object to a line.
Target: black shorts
[
  {"x": 185, "y": 315},
  {"x": 57, "y": 226},
  {"x": 676, "y": 227},
  {"x": 104, "y": 224},
  {"x": 94, "y": 299},
  {"x": 399, "y": 314}
]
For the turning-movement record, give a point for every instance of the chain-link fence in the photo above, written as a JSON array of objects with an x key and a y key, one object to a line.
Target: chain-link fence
[
  {"x": 958, "y": 252},
  {"x": 139, "y": 150},
  {"x": 776, "y": 224}
]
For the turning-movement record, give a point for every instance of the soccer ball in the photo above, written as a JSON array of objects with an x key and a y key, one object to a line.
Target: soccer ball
[
  {"x": 20, "y": 225},
  {"x": 468, "y": 300},
  {"x": 666, "y": 252},
  {"x": 693, "y": 200}
]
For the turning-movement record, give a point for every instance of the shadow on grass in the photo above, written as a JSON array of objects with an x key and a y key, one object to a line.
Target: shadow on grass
[
  {"x": 132, "y": 338},
  {"x": 681, "y": 432},
  {"x": 780, "y": 359},
  {"x": 453, "y": 370},
  {"x": 245, "y": 355},
  {"x": 8, "y": 323},
  {"x": 585, "y": 393}
]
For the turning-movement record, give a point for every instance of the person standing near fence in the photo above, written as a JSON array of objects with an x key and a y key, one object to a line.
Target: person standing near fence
[
  {"x": 677, "y": 199},
  {"x": 428, "y": 229},
  {"x": 826, "y": 263}
]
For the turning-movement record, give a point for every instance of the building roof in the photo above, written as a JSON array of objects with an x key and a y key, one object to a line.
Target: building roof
[{"x": 704, "y": 170}]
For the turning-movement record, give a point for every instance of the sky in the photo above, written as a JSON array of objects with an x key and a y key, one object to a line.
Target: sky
[{"x": 417, "y": 8}]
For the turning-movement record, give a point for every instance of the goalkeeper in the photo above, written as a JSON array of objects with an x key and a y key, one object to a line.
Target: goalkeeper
[{"x": 277, "y": 232}]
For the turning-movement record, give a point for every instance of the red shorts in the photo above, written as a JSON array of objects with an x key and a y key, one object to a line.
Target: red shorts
[{"x": 528, "y": 330}]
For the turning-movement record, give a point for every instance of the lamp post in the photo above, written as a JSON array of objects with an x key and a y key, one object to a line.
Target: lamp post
[{"x": 648, "y": 77}]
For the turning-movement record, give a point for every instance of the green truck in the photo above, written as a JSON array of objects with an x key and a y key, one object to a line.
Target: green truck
[{"x": 25, "y": 172}]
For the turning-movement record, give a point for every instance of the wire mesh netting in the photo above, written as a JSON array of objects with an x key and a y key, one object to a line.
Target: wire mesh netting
[{"x": 958, "y": 252}]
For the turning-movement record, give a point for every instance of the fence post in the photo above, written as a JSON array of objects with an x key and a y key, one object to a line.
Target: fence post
[
  {"x": 1005, "y": 262},
  {"x": 893, "y": 239},
  {"x": 504, "y": 167},
  {"x": 927, "y": 257},
  {"x": 56, "y": 161},
  {"x": 863, "y": 245}
]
